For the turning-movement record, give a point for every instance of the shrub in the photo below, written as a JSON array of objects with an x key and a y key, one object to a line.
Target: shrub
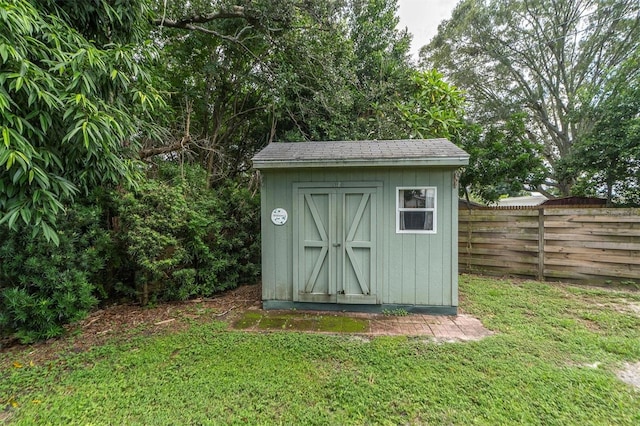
[
  {"x": 169, "y": 239},
  {"x": 178, "y": 239},
  {"x": 43, "y": 286}
]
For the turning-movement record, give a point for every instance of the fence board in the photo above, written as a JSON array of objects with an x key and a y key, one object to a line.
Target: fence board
[
  {"x": 574, "y": 244},
  {"x": 499, "y": 260},
  {"x": 497, "y": 248},
  {"x": 500, "y": 238},
  {"x": 595, "y": 245},
  {"x": 499, "y": 271},
  {"x": 594, "y": 213},
  {"x": 552, "y": 236},
  {"x": 605, "y": 274},
  {"x": 495, "y": 228},
  {"x": 629, "y": 255},
  {"x": 599, "y": 219},
  {"x": 577, "y": 225},
  {"x": 604, "y": 232}
]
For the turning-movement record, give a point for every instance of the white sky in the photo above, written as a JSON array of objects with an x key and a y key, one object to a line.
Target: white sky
[{"x": 422, "y": 17}]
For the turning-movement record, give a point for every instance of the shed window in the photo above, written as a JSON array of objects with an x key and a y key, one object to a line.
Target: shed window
[{"x": 416, "y": 210}]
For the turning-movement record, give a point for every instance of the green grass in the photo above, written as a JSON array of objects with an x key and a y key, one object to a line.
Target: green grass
[{"x": 534, "y": 370}]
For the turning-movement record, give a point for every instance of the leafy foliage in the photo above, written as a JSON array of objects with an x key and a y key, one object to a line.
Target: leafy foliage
[
  {"x": 434, "y": 108},
  {"x": 503, "y": 160},
  {"x": 606, "y": 161},
  {"x": 381, "y": 68},
  {"x": 43, "y": 287},
  {"x": 285, "y": 71},
  {"x": 103, "y": 22},
  {"x": 171, "y": 239},
  {"x": 72, "y": 114},
  {"x": 539, "y": 57},
  {"x": 177, "y": 240}
]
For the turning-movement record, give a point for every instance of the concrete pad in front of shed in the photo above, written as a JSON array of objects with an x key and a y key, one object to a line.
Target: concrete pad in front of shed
[
  {"x": 439, "y": 327},
  {"x": 300, "y": 321}
]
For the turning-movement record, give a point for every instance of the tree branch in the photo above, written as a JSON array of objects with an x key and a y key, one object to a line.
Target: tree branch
[
  {"x": 544, "y": 192},
  {"x": 237, "y": 13},
  {"x": 150, "y": 152},
  {"x": 187, "y": 26},
  {"x": 182, "y": 144}
]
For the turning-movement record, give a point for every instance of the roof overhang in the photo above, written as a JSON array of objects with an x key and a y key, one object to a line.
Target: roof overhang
[
  {"x": 361, "y": 154},
  {"x": 391, "y": 162}
]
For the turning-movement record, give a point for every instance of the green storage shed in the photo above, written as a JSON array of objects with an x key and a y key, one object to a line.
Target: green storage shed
[{"x": 360, "y": 226}]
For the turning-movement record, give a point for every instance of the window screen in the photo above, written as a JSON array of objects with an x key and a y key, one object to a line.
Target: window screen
[{"x": 416, "y": 210}]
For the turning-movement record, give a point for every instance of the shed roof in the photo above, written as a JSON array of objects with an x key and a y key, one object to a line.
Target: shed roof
[{"x": 408, "y": 152}]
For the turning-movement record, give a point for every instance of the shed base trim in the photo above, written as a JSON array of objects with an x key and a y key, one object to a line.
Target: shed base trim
[{"x": 374, "y": 309}]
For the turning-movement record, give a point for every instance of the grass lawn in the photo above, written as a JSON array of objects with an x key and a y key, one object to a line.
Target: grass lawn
[{"x": 553, "y": 360}]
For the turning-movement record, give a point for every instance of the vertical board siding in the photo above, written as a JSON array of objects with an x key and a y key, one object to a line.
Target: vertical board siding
[
  {"x": 415, "y": 268},
  {"x": 453, "y": 208},
  {"x": 277, "y": 247},
  {"x": 410, "y": 256},
  {"x": 580, "y": 244},
  {"x": 266, "y": 242},
  {"x": 420, "y": 264},
  {"x": 440, "y": 259}
]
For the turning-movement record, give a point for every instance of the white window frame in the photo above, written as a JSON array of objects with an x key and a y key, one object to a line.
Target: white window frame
[{"x": 416, "y": 209}]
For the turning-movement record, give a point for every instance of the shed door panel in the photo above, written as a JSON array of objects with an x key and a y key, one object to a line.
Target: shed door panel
[
  {"x": 316, "y": 276},
  {"x": 335, "y": 251},
  {"x": 358, "y": 248}
]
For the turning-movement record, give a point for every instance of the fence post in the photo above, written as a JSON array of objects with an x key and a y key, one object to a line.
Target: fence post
[
  {"x": 541, "y": 244},
  {"x": 469, "y": 235}
]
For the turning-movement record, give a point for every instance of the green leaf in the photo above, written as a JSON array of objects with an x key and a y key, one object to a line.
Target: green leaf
[
  {"x": 6, "y": 136},
  {"x": 85, "y": 134},
  {"x": 44, "y": 121},
  {"x": 12, "y": 217},
  {"x": 25, "y": 213},
  {"x": 50, "y": 234},
  {"x": 10, "y": 159},
  {"x": 17, "y": 175},
  {"x": 4, "y": 52}
]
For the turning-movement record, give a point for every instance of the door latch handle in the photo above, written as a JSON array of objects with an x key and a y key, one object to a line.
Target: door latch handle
[{"x": 337, "y": 244}]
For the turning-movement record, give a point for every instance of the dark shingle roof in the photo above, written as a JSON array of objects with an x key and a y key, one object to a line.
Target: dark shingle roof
[{"x": 418, "y": 152}]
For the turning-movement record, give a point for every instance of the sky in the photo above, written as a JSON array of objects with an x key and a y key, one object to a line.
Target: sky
[{"x": 422, "y": 17}]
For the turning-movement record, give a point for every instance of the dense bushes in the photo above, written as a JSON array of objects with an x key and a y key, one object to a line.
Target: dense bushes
[
  {"x": 180, "y": 240},
  {"x": 43, "y": 287},
  {"x": 170, "y": 239}
]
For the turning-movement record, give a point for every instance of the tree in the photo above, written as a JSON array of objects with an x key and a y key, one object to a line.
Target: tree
[
  {"x": 72, "y": 112},
  {"x": 281, "y": 71},
  {"x": 250, "y": 74},
  {"x": 381, "y": 68},
  {"x": 502, "y": 160},
  {"x": 537, "y": 56},
  {"x": 433, "y": 107},
  {"x": 502, "y": 157},
  {"x": 606, "y": 160}
]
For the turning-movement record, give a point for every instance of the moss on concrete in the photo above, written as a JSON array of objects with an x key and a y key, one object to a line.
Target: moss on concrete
[
  {"x": 301, "y": 321},
  {"x": 248, "y": 320}
]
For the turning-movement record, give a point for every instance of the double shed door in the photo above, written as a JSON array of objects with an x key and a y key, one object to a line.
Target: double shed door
[{"x": 336, "y": 236}]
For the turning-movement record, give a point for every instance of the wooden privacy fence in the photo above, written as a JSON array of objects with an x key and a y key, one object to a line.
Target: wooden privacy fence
[{"x": 591, "y": 245}]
